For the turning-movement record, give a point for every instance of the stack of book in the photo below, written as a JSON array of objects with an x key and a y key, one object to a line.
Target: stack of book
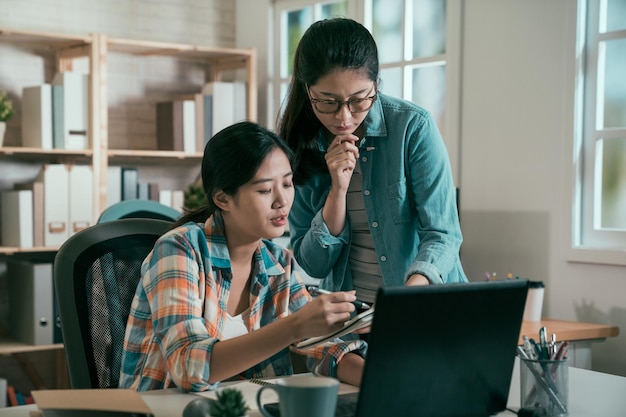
[
  {"x": 55, "y": 116},
  {"x": 188, "y": 122}
]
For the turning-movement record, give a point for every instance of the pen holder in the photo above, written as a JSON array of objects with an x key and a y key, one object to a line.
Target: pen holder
[{"x": 544, "y": 386}]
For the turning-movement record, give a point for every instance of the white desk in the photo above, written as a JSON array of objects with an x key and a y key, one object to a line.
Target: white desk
[{"x": 590, "y": 394}]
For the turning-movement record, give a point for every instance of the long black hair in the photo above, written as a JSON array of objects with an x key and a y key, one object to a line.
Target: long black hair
[
  {"x": 327, "y": 45},
  {"x": 231, "y": 159}
]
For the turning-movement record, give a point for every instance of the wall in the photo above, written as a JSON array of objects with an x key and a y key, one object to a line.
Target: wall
[{"x": 517, "y": 127}]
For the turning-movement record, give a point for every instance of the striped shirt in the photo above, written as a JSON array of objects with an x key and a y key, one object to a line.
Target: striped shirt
[{"x": 179, "y": 311}]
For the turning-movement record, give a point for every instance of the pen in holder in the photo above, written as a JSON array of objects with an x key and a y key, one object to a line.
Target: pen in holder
[{"x": 544, "y": 385}]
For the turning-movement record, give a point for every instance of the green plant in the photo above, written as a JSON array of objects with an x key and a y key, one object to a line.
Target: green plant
[
  {"x": 6, "y": 108},
  {"x": 230, "y": 403},
  {"x": 195, "y": 196}
]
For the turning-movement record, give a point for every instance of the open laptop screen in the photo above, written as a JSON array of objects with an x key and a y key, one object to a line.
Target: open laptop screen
[{"x": 442, "y": 350}]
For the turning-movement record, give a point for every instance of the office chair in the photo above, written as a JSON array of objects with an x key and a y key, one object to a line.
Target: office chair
[
  {"x": 96, "y": 272},
  {"x": 147, "y": 209}
]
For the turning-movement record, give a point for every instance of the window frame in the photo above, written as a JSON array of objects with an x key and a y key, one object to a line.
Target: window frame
[
  {"x": 360, "y": 11},
  {"x": 585, "y": 244}
]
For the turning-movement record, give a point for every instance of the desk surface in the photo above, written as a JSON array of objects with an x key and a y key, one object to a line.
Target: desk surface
[
  {"x": 568, "y": 330},
  {"x": 590, "y": 394}
]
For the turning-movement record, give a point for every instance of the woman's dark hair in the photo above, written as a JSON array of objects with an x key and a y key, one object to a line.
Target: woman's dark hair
[
  {"x": 327, "y": 45},
  {"x": 231, "y": 159}
]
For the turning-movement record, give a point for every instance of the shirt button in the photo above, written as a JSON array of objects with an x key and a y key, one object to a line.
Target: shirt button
[
  {"x": 366, "y": 192},
  {"x": 364, "y": 159},
  {"x": 383, "y": 258},
  {"x": 374, "y": 224}
]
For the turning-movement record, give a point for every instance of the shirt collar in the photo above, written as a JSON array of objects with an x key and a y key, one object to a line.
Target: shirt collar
[{"x": 265, "y": 263}]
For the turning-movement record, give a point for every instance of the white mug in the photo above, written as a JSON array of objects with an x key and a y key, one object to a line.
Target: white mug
[{"x": 303, "y": 396}]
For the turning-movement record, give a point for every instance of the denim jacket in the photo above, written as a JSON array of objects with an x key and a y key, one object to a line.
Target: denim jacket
[{"x": 409, "y": 197}]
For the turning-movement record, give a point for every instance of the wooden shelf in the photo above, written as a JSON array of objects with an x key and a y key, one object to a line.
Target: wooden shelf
[
  {"x": 121, "y": 156},
  {"x": 8, "y": 347},
  {"x": 46, "y": 155},
  {"x": 9, "y": 250}
]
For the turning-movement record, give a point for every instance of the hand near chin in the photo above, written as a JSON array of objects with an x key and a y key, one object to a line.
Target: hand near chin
[{"x": 341, "y": 158}]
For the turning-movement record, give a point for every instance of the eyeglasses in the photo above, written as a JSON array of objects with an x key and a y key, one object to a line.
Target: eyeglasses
[{"x": 355, "y": 105}]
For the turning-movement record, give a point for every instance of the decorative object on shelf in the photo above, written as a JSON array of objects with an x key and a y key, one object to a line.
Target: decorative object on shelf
[
  {"x": 194, "y": 195},
  {"x": 6, "y": 112},
  {"x": 230, "y": 403}
]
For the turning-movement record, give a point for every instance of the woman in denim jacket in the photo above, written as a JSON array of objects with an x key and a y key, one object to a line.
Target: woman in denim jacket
[{"x": 375, "y": 204}]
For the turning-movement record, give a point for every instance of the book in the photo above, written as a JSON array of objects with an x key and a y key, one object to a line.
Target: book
[
  {"x": 75, "y": 105},
  {"x": 359, "y": 321},
  {"x": 58, "y": 117},
  {"x": 17, "y": 218},
  {"x": 37, "y": 116},
  {"x": 92, "y": 402},
  {"x": 189, "y": 126},
  {"x": 130, "y": 178},
  {"x": 170, "y": 122},
  {"x": 222, "y": 104},
  {"x": 38, "y": 200},
  {"x": 11, "y": 395},
  {"x": 3, "y": 392},
  {"x": 114, "y": 185}
]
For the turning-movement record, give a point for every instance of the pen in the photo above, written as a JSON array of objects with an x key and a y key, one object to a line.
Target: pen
[{"x": 317, "y": 291}]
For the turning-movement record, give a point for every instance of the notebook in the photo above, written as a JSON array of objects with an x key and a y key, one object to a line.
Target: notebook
[{"x": 440, "y": 350}]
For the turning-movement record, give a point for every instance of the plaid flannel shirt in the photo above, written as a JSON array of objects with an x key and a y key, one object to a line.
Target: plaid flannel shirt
[{"x": 179, "y": 311}]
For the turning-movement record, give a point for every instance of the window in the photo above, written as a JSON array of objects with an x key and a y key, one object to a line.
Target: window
[
  {"x": 418, "y": 45},
  {"x": 600, "y": 154}
]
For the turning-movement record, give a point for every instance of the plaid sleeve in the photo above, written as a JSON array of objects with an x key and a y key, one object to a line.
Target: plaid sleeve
[{"x": 173, "y": 283}]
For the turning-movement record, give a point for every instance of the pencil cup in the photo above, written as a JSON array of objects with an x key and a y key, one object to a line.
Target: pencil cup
[{"x": 544, "y": 386}]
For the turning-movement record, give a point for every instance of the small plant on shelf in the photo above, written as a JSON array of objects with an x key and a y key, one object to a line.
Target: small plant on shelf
[
  {"x": 230, "y": 403},
  {"x": 195, "y": 196},
  {"x": 6, "y": 108}
]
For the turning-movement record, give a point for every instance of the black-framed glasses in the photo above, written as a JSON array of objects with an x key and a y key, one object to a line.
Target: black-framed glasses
[{"x": 355, "y": 105}]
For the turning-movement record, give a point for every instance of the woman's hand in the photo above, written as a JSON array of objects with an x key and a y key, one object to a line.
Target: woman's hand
[
  {"x": 325, "y": 314},
  {"x": 417, "y": 280},
  {"x": 341, "y": 159}
]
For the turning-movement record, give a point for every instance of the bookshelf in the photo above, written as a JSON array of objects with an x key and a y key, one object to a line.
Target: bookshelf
[
  {"x": 102, "y": 53},
  {"x": 98, "y": 49}
]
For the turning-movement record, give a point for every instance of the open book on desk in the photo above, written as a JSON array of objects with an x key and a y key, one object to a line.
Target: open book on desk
[{"x": 359, "y": 321}]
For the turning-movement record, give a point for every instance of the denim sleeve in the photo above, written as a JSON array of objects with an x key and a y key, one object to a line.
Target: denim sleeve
[
  {"x": 314, "y": 247},
  {"x": 435, "y": 198}
]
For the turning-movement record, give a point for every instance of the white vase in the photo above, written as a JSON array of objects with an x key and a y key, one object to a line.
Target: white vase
[{"x": 3, "y": 129}]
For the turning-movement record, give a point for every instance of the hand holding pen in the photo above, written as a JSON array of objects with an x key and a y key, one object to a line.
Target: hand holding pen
[{"x": 313, "y": 290}]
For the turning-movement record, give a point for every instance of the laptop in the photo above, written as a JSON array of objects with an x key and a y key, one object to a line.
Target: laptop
[{"x": 440, "y": 350}]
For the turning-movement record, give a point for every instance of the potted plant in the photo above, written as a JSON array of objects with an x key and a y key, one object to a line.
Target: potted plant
[
  {"x": 230, "y": 403},
  {"x": 6, "y": 112},
  {"x": 194, "y": 195}
]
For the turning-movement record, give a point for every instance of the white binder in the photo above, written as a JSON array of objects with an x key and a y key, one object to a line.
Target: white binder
[
  {"x": 17, "y": 218},
  {"x": 75, "y": 109},
  {"x": 80, "y": 200},
  {"x": 30, "y": 302},
  {"x": 55, "y": 178},
  {"x": 37, "y": 116}
]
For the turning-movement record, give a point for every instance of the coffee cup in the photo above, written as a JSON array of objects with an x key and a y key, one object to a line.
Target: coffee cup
[{"x": 303, "y": 396}]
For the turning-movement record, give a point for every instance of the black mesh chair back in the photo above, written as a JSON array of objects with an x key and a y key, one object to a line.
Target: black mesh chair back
[{"x": 96, "y": 272}]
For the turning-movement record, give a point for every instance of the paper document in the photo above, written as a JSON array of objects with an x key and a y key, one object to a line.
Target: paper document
[{"x": 359, "y": 321}]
